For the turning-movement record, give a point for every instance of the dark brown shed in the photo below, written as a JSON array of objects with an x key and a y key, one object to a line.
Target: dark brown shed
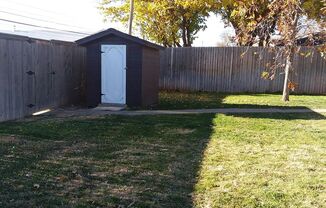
[{"x": 121, "y": 69}]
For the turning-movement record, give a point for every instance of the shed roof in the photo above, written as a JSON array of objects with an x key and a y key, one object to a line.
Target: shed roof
[{"x": 111, "y": 31}]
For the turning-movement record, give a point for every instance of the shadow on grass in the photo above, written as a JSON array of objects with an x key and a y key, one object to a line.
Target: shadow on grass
[
  {"x": 144, "y": 161},
  {"x": 309, "y": 115},
  {"x": 204, "y": 100},
  {"x": 256, "y": 106},
  {"x": 172, "y": 100}
]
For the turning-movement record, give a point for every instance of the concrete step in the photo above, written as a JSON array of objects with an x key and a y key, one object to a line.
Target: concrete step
[{"x": 111, "y": 107}]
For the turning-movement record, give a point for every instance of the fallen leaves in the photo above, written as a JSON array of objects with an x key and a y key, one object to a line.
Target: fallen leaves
[{"x": 36, "y": 186}]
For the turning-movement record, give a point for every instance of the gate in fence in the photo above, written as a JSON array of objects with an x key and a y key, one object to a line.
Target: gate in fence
[{"x": 37, "y": 74}]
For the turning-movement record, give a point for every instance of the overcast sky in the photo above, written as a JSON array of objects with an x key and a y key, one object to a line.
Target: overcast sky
[{"x": 80, "y": 16}]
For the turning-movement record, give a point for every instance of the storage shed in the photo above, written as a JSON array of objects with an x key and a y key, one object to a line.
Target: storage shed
[{"x": 121, "y": 69}]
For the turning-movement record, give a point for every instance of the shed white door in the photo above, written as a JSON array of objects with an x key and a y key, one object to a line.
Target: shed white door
[{"x": 113, "y": 74}]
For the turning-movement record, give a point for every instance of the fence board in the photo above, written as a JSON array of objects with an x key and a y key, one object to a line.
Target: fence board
[
  {"x": 224, "y": 69},
  {"x": 56, "y": 78}
]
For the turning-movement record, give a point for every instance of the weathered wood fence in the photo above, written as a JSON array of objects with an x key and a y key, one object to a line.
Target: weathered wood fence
[
  {"x": 37, "y": 75},
  {"x": 236, "y": 69}
]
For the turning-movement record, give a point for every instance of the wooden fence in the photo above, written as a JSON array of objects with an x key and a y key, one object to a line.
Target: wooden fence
[
  {"x": 236, "y": 69},
  {"x": 37, "y": 75}
]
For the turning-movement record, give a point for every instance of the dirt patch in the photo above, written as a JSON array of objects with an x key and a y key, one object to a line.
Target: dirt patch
[
  {"x": 182, "y": 131},
  {"x": 77, "y": 147},
  {"x": 11, "y": 139}
]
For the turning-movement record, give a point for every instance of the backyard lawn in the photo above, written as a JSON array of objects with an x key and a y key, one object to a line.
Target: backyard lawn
[
  {"x": 194, "y": 100},
  {"x": 243, "y": 160}
]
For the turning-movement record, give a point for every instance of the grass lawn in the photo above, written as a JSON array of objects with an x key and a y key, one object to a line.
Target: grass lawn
[
  {"x": 194, "y": 100},
  {"x": 264, "y": 161},
  {"x": 247, "y": 160}
]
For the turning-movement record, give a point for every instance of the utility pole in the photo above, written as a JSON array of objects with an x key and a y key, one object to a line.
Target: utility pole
[{"x": 131, "y": 16}]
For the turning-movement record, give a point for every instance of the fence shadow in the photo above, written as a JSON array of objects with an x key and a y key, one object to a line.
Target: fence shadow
[
  {"x": 309, "y": 115},
  {"x": 277, "y": 112},
  {"x": 176, "y": 100},
  {"x": 146, "y": 161}
]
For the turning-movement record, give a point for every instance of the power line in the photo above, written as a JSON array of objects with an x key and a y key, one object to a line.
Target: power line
[
  {"x": 47, "y": 17},
  {"x": 44, "y": 27},
  {"x": 37, "y": 8},
  {"x": 57, "y": 23},
  {"x": 24, "y": 12}
]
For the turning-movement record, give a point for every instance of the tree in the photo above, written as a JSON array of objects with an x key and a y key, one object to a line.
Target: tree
[
  {"x": 322, "y": 23},
  {"x": 281, "y": 17},
  {"x": 168, "y": 22},
  {"x": 248, "y": 16},
  {"x": 226, "y": 39},
  {"x": 288, "y": 14},
  {"x": 254, "y": 17}
]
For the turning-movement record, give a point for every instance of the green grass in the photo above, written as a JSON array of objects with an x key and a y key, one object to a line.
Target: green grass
[
  {"x": 264, "y": 161},
  {"x": 197, "y": 100},
  {"x": 248, "y": 160}
]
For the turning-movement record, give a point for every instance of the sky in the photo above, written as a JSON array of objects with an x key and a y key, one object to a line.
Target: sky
[{"x": 80, "y": 16}]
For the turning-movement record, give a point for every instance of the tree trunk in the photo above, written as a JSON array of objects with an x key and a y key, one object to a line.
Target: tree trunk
[
  {"x": 186, "y": 36},
  {"x": 286, "y": 89},
  {"x": 261, "y": 42},
  {"x": 177, "y": 44},
  {"x": 189, "y": 43},
  {"x": 184, "y": 39},
  {"x": 290, "y": 47}
]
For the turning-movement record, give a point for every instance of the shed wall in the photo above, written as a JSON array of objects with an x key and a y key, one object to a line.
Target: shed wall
[
  {"x": 134, "y": 64},
  {"x": 150, "y": 76}
]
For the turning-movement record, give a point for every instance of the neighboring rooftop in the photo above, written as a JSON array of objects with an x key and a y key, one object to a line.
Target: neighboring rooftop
[
  {"x": 111, "y": 31},
  {"x": 45, "y": 35}
]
